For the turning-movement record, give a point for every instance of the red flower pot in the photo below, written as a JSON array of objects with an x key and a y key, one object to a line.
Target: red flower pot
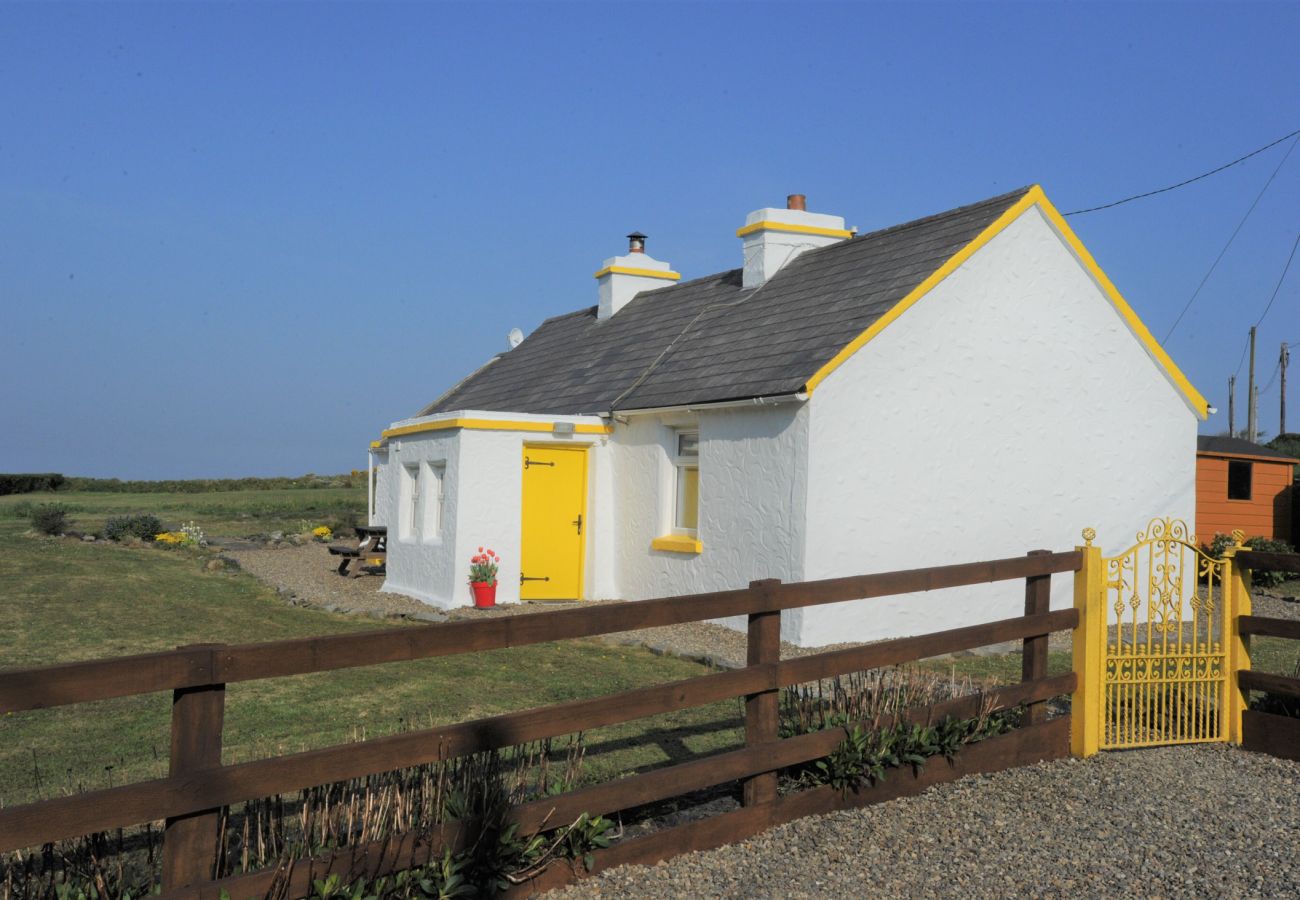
[{"x": 485, "y": 595}]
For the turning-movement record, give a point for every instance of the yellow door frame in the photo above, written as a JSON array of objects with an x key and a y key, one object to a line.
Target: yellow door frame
[{"x": 585, "y": 450}]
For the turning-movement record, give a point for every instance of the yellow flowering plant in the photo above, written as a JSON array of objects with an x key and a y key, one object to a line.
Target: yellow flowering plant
[{"x": 322, "y": 533}]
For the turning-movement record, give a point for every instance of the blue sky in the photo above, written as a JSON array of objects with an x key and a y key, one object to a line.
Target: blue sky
[{"x": 241, "y": 239}]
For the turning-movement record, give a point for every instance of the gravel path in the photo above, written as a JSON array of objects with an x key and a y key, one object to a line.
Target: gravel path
[
  {"x": 1206, "y": 820},
  {"x": 306, "y": 575}
]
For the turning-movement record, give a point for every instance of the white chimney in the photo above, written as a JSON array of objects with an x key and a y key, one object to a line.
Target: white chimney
[
  {"x": 773, "y": 237},
  {"x": 623, "y": 277}
]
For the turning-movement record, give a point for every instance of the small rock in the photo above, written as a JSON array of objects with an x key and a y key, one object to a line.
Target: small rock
[
  {"x": 277, "y": 535},
  {"x": 214, "y": 565},
  {"x": 89, "y": 538}
]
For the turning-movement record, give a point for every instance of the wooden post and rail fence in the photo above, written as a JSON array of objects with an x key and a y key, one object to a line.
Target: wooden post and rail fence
[{"x": 198, "y": 785}]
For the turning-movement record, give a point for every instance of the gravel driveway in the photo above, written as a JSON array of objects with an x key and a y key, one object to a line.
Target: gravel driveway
[{"x": 1206, "y": 820}]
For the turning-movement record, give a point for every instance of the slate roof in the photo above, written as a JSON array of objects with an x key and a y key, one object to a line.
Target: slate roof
[
  {"x": 709, "y": 339},
  {"x": 1216, "y": 444}
]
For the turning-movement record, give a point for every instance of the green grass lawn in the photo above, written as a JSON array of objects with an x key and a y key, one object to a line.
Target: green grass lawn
[
  {"x": 64, "y": 600},
  {"x": 226, "y": 513}
]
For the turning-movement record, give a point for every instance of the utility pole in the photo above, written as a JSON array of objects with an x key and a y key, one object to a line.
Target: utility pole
[
  {"x": 1250, "y": 391},
  {"x": 1232, "y": 406},
  {"x": 1281, "y": 415}
]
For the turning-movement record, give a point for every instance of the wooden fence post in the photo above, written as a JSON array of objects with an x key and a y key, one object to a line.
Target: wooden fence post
[
  {"x": 1236, "y": 603},
  {"x": 1038, "y": 600},
  {"x": 762, "y": 709},
  {"x": 190, "y": 841},
  {"x": 1088, "y": 639}
]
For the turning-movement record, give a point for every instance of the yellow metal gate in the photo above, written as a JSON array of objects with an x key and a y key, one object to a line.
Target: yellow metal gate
[{"x": 1161, "y": 630}]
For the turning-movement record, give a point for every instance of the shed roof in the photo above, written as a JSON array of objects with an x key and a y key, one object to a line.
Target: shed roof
[
  {"x": 712, "y": 340},
  {"x": 1217, "y": 445}
]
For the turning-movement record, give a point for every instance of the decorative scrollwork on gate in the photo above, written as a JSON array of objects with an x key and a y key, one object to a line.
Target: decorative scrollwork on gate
[{"x": 1166, "y": 665}]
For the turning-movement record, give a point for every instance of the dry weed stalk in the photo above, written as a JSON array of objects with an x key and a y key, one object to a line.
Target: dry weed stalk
[{"x": 870, "y": 697}]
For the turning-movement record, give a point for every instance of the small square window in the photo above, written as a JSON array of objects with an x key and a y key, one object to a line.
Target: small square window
[{"x": 1239, "y": 477}]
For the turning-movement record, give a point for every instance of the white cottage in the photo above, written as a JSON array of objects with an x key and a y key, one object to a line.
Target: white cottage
[{"x": 965, "y": 386}]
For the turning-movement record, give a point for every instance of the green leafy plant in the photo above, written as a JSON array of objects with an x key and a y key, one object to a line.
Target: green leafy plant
[
  {"x": 1222, "y": 542},
  {"x": 50, "y": 518},
  {"x": 866, "y": 754}
]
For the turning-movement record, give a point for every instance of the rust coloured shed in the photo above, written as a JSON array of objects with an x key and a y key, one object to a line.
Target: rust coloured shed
[{"x": 1243, "y": 485}]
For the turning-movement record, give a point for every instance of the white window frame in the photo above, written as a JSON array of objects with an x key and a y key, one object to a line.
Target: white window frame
[
  {"x": 408, "y": 513},
  {"x": 433, "y": 499},
  {"x": 682, "y": 462},
  {"x": 372, "y": 486}
]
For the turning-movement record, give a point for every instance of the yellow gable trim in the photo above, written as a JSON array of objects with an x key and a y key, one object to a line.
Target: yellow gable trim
[
  {"x": 1198, "y": 402},
  {"x": 769, "y": 225},
  {"x": 491, "y": 425},
  {"x": 644, "y": 273},
  {"x": 1034, "y": 196}
]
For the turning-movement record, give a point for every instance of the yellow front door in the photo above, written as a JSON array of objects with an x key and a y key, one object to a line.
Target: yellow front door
[{"x": 555, "y": 522}]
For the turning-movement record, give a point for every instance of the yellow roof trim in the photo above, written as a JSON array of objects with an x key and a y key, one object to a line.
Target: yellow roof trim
[
  {"x": 644, "y": 273},
  {"x": 490, "y": 425},
  {"x": 770, "y": 225},
  {"x": 1194, "y": 398},
  {"x": 1034, "y": 196}
]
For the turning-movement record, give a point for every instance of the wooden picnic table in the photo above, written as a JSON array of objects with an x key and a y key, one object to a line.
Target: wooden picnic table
[{"x": 372, "y": 544}]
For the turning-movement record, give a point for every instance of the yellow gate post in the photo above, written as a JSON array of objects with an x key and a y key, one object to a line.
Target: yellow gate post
[
  {"x": 1237, "y": 600},
  {"x": 1089, "y": 637}
]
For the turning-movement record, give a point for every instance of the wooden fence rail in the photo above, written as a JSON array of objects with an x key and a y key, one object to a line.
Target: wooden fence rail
[
  {"x": 198, "y": 785},
  {"x": 1263, "y": 731}
]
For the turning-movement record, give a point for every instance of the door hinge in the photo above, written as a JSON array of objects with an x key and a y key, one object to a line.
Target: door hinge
[
  {"x": 523, "y": 578},
  {"x": 528, "y": 462}
]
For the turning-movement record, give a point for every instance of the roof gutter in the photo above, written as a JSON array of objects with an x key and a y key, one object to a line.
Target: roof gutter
[{"x": 770, "y": 400}]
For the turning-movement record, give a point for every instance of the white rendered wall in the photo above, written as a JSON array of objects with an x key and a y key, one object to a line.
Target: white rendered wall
[
  {"x": 482, "y": 491},
  {"x": 1007, "y": 410},
  {"x": 753, "y": 474},
  {"x": 422, "y": 567}
]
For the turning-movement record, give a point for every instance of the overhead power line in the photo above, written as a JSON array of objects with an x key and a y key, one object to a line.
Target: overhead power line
[
  {"x": 1172, "y": 187},
  {"x": 1281, "y": 279},
  {"x": 1232, "y": 237}
]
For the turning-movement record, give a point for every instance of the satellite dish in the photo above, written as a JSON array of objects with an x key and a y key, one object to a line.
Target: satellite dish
[{"x": 515, "y": 338}]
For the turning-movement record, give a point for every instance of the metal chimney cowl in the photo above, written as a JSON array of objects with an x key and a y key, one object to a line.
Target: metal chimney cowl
[{"x": 621, "y": 278}]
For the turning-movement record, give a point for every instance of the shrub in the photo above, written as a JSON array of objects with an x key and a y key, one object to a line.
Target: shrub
[
  {"x": 1222, "y": 542},
  {"x": 141, "y": 525},
  {"x": 50, "y": 518},
  {"x": 26, "y": 484}
]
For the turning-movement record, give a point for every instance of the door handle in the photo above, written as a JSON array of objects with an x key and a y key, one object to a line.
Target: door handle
[
  {"x": 578, "y": 522},
  {"x": 523, "y": 578}
]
